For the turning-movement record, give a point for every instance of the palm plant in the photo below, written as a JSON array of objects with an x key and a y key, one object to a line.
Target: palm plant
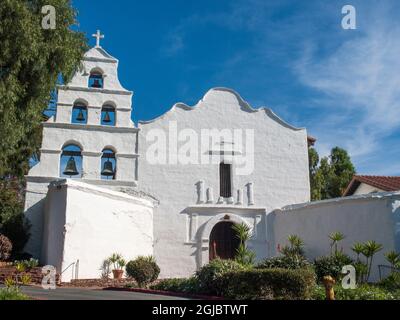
[
  {"x": 370, "y": 248},
  {"x": 243, "y": 255},
  {"x": 358, "y": 248},
  {"x": 116, "y": 259},
  {"x": 121, "y": 263},
  {"x": 295, "y": 241},
  {"x": 393, "y": 258},
  {"x": 336, "y": 237},
  {"x": 295, "y": 247}
]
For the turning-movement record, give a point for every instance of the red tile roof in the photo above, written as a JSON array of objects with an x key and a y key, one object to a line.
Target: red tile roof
[
  {"x": 311, "y": 140},
  {"x": 386, "y": 183}
]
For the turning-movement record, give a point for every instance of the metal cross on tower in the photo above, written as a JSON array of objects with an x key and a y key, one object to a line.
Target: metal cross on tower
[{"x": 98, "y": 36}]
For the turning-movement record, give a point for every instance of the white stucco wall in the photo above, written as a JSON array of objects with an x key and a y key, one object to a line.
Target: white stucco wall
[
  {"x": 364, "y": 188},
  {"x": 92, "y": 137},
  {"x": 280, "y": 176},
  {"x": 89, "y": 223},
  {"x": 35, "y": 195},
  {"x": 359, "y": 218}
]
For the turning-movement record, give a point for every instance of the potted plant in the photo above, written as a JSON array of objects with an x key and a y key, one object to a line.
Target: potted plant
[{"x": 118, "y": 264}]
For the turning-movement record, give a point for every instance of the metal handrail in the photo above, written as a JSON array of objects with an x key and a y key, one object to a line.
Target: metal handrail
[
  {"x": 382, "y": 266},
  {"x": 73, "y": 263},
  {"x": 75, "y": 269}
]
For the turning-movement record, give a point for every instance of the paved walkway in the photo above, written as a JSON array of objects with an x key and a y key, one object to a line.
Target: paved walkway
[{"x": 91, "y": 294}]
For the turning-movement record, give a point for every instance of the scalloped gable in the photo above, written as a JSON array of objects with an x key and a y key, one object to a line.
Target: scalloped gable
[
  {"x": 225, "y": 96},
  {"x": 98, "y": 53}
]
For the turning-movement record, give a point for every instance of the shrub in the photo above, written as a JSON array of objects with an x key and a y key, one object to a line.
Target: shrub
[
  {"x": 286, "y": 262},
  {"x": 105, "y": 269},
  {"x": 362, "y": 292},
  {"x": 143, "y": 269},
  {"x": 13, "y": 223},
  {"x": 268, "y": 284},
  {"x": 190, "y": 285},
  {"x": 12, "y": 294},
  {"x": 392, "y": 282},
  {"x": 331, "y": 265},
  {"x": 5, "y": 248},
  {"x": 208, "y": 274},
  {"x": 28, "y": 264}
]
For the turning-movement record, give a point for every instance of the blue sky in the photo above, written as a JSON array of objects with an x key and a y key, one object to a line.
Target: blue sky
[{"x": 290, "y": 55}]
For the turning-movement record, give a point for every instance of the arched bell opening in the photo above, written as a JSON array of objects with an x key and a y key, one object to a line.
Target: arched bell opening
[
  {"x": 79, "y": 113},
  {"x": 223, "y": 241},
  {"x": 96, "y": 79},
  {"x": 71, "y": 162},
  {"x": 108, "y": 165},
  {"x": 108, "y": 115}
]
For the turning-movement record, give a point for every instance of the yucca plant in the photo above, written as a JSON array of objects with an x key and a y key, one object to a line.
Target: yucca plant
[
  {"x": 121, "y": 263},
  {"x": 295, "y": 241},
  {"x": 393, "y": 258},
  {"x": 118, "y": 264},
  {"x": 243, "y": 255},
  {"x": 115, "y": 259},
  {"x": 370, "y": 248},
  {"x": 336, "y": 237},
  {"x": 358, "y": 248},
  {"x": 296, "y": 245}
]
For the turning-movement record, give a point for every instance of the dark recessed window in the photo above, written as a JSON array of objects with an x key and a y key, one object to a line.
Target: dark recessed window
[{"x": 225, "y": 184}]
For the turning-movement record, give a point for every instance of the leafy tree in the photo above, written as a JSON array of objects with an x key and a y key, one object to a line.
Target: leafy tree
[
  {"x": 342, "y": 172},
  {"x": 31, "y": 60},
  {"x": 317, "y": 180},
  {"x": 332, "y": 176}
]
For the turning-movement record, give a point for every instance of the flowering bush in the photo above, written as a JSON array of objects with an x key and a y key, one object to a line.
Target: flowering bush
[{"x": 5, "y": 248}]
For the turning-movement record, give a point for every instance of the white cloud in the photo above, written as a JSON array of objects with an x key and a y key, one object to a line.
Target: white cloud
[
  {"x": 353, "y": 76},
  {"x": 360, "y": 80}
]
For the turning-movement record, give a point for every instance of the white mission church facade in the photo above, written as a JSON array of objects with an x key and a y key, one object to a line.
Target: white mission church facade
[{"x": 172, "y": 187}]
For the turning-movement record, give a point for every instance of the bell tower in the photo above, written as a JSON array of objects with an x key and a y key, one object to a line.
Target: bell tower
[{"x": 91, "y": 137}]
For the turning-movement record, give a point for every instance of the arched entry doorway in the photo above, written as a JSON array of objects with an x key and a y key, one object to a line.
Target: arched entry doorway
[{"x": 223, "y": 241}]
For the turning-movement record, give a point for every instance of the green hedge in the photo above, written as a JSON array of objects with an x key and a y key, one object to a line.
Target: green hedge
[
  {"x": 190, "y": 285},
  {"x": 294, "y": 261},
  {"x": 209, "y": 274},
  {"x": 267, "y": 284}
]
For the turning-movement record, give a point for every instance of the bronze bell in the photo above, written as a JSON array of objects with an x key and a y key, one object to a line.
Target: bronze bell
[
  {"x": 96, "y": 83},
  {"x": 108, "y": 170},
  {"x": 80, "y": 116},
  {"x": 70, "y": 168},
  {"x": 107, "y": 118}
]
